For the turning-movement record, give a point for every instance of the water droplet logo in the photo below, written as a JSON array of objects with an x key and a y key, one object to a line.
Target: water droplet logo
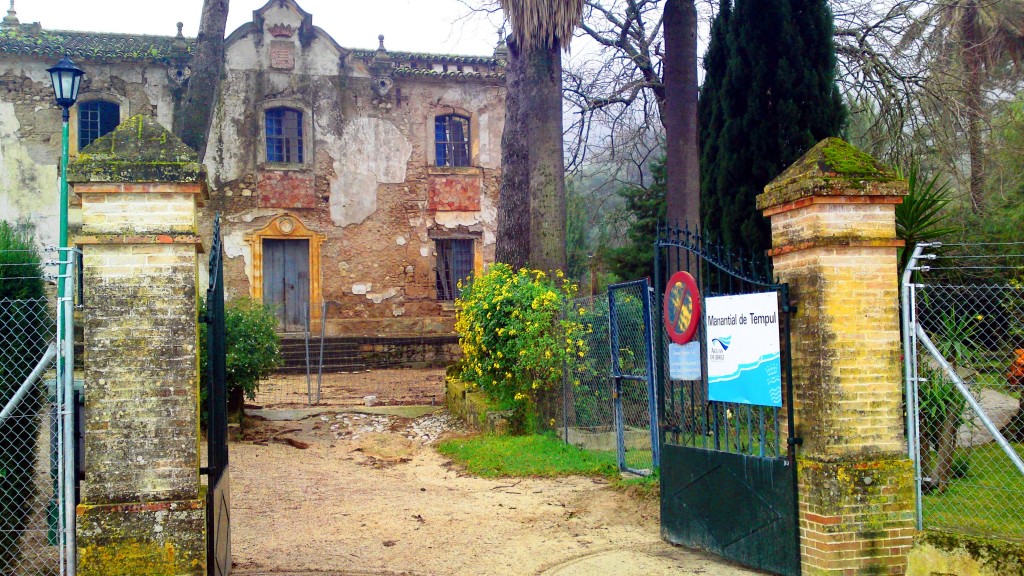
[{"x": 724, "y": 342}]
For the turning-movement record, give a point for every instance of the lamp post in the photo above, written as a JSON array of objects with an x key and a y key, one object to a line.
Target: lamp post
[{"x": 66, "y": 79}]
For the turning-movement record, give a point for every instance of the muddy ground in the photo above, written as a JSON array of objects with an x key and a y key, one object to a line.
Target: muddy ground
[{"x": 367, "y": 494}]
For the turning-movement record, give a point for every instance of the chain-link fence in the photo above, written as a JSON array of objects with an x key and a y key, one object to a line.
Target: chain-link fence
[
  {"x": 322, "y": 370},
  {"x": 32, "y": 513},
  {"x": 633, "y": 365},
  {"x": 592, "y": 416},
  {"x": 966, "y": 334}
]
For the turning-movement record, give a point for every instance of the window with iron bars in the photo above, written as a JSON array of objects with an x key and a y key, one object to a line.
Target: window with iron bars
[
  {"x": 96, "y": 118},
  {"x": 451, "y": 137},
  {"x": 454, "y": 264},
  {"x": 284, "y": 135}
]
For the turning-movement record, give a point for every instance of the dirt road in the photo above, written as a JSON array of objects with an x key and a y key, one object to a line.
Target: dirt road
[{"x": 352, "y": 494}]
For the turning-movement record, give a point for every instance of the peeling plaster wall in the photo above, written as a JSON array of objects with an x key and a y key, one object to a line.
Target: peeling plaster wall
[
  {"x": 366, "y": 178},
  {"x": 367, "y": 185},
  {"x": 30, "y": 132}
]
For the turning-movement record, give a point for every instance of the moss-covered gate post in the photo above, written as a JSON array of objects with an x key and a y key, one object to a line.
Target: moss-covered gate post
[
  {"x": 142, "y": 511},
  {"x": 834, "y": 241}
]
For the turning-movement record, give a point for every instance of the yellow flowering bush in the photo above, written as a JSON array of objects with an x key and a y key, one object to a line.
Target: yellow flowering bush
[{"x": 513, "y": 339}]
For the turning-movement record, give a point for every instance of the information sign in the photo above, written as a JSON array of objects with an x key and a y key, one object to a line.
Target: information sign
[
  {"x": 684, "y": 361},
  {"x": 743, "y": 349}
]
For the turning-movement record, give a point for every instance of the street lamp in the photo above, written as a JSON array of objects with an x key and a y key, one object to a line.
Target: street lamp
[{"x": 66, "y": 79}]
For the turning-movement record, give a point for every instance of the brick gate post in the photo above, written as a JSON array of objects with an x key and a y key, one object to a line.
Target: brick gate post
[
  {"x": 141, "y": 510},
  {"x": 834, "y": 241}
]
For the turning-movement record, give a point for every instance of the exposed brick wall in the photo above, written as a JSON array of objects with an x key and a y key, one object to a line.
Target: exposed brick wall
[
  {"x": 141, "y": 510},
  {"x": 140, "y": 373},
  {"x": 856, "y": 517},
  {"x": 846, "y": 345},
  {"x": 126, "y": 213},
  {"x": 835, "y": 245}
]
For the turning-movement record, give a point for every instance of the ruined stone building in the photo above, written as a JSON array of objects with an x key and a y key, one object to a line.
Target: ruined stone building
[{"x": 363, "y": 178}]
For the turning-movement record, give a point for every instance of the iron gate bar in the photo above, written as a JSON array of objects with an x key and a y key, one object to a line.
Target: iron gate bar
[
  {"x": 722, "y": 435},
  {"x": 218, "y": 520}
]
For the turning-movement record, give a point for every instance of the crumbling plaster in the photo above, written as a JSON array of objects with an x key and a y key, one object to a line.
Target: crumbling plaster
[
  {"x": 30, "y": 131},
  {"x": 370, "y": 161}
]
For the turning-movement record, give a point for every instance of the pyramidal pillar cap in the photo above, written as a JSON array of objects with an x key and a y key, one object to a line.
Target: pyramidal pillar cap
[{"x": 833, "y": 168}]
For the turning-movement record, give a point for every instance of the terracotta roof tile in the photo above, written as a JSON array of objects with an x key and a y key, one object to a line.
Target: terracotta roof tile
[{"x": 30, "y": 40}]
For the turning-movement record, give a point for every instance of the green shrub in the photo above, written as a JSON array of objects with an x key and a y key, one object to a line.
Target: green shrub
[
  {"x": 25, "y": 331},
  {"x": 253, "y": 349},
  {"x": 513, "y": 338}
]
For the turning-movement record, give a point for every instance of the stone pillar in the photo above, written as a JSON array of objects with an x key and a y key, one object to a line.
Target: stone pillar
[
  {"x": 834, "y": 241},
  {"x": 142, "y": 511}
]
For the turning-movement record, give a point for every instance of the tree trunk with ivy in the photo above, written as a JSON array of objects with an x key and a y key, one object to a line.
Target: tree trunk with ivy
[{"x": 194, "y": 116}]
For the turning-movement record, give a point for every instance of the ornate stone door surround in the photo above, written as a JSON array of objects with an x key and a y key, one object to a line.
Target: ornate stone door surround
[{"x": 287, "y": 226}]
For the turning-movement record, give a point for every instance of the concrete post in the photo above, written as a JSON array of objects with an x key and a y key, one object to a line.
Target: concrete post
[
  {"x": 142, "y": 511},
  {"x": 834, "y": 241}
]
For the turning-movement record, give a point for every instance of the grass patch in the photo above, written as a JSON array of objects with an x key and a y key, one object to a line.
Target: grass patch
[
  {"x": 640, "y": 487},
  {"x": 987, "y": 499},
  {"x": 535, "y": 455}
]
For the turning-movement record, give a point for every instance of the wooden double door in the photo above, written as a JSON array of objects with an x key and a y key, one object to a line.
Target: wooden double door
[{"x": 286, "y": 281}]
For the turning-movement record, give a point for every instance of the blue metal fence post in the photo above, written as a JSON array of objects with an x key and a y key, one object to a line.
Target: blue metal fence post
[
  {"x": 613, "y": 327},
  {"x": 652, "y": 388}
]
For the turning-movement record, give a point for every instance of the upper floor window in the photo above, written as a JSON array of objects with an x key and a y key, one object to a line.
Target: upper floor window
[
  {"x": 284, "y": 135},
  {"x": 95, "y": 119},
  {"x": 451, "y": 137}
]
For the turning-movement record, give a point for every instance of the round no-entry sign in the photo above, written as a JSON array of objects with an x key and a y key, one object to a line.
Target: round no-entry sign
[{"x": 682, "y": 308}]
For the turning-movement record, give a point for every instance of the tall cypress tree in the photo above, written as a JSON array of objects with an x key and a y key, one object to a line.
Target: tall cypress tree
[
  {"x": 709, "y": 108},
  {"x": 776, "y": 97}
]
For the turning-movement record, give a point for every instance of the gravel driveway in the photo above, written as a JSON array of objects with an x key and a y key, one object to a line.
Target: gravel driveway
[{"x": 366, "y": 494}]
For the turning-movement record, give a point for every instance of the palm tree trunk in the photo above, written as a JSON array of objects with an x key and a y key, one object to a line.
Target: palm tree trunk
[
  {"x": 193, "y": 118},
  {"x": 513, "y": 236},
  {"x": 974, "y": 63},
  {"x": 542, "y": 108},
  {"x": 683, "y": 151},
  {"x": 531, "y": 204}
]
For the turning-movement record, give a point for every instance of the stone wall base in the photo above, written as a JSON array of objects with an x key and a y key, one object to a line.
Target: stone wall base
[
  {"x": 393, "y": 327},
  {"x": 943, "y": 553},
  {"x": 856, "y": 516},
  {"x": 157, "y": 539}
]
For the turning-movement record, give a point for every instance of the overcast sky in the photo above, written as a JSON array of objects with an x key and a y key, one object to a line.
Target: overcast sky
[{"x": 408, "y": 25}]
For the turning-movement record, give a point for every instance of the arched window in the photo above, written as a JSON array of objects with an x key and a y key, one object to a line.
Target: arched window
[
  {"x": 284, "y": 135},
  {"x": 451, "y": 140},
  {"x": 96, "y": 118}
]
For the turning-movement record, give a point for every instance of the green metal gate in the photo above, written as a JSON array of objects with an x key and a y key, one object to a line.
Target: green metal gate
[
  {"x": 218, "y": 496},
  {"x": 728, "y": 480}
]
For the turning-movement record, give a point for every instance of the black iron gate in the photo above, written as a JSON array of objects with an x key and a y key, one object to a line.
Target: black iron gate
[
  {"x": 218, "y": 499},
  {"x": 728, "y": 479}
]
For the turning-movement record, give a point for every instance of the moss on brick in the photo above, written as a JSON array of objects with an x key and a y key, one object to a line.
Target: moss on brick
[
  {"x": 832, "y": 168},
  {"x": 156, "y": 539},
  {"x": 139, "y": 150},
  {"x": 994, "y": 556}
]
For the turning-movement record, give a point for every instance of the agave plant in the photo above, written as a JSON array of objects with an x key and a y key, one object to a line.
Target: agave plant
[{"x": 922, "y": 216}]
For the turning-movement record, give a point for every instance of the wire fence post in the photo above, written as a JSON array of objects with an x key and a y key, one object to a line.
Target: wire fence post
[
  {"x": 37, "y": 404},
  {"x": 963, "y": 323}
]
